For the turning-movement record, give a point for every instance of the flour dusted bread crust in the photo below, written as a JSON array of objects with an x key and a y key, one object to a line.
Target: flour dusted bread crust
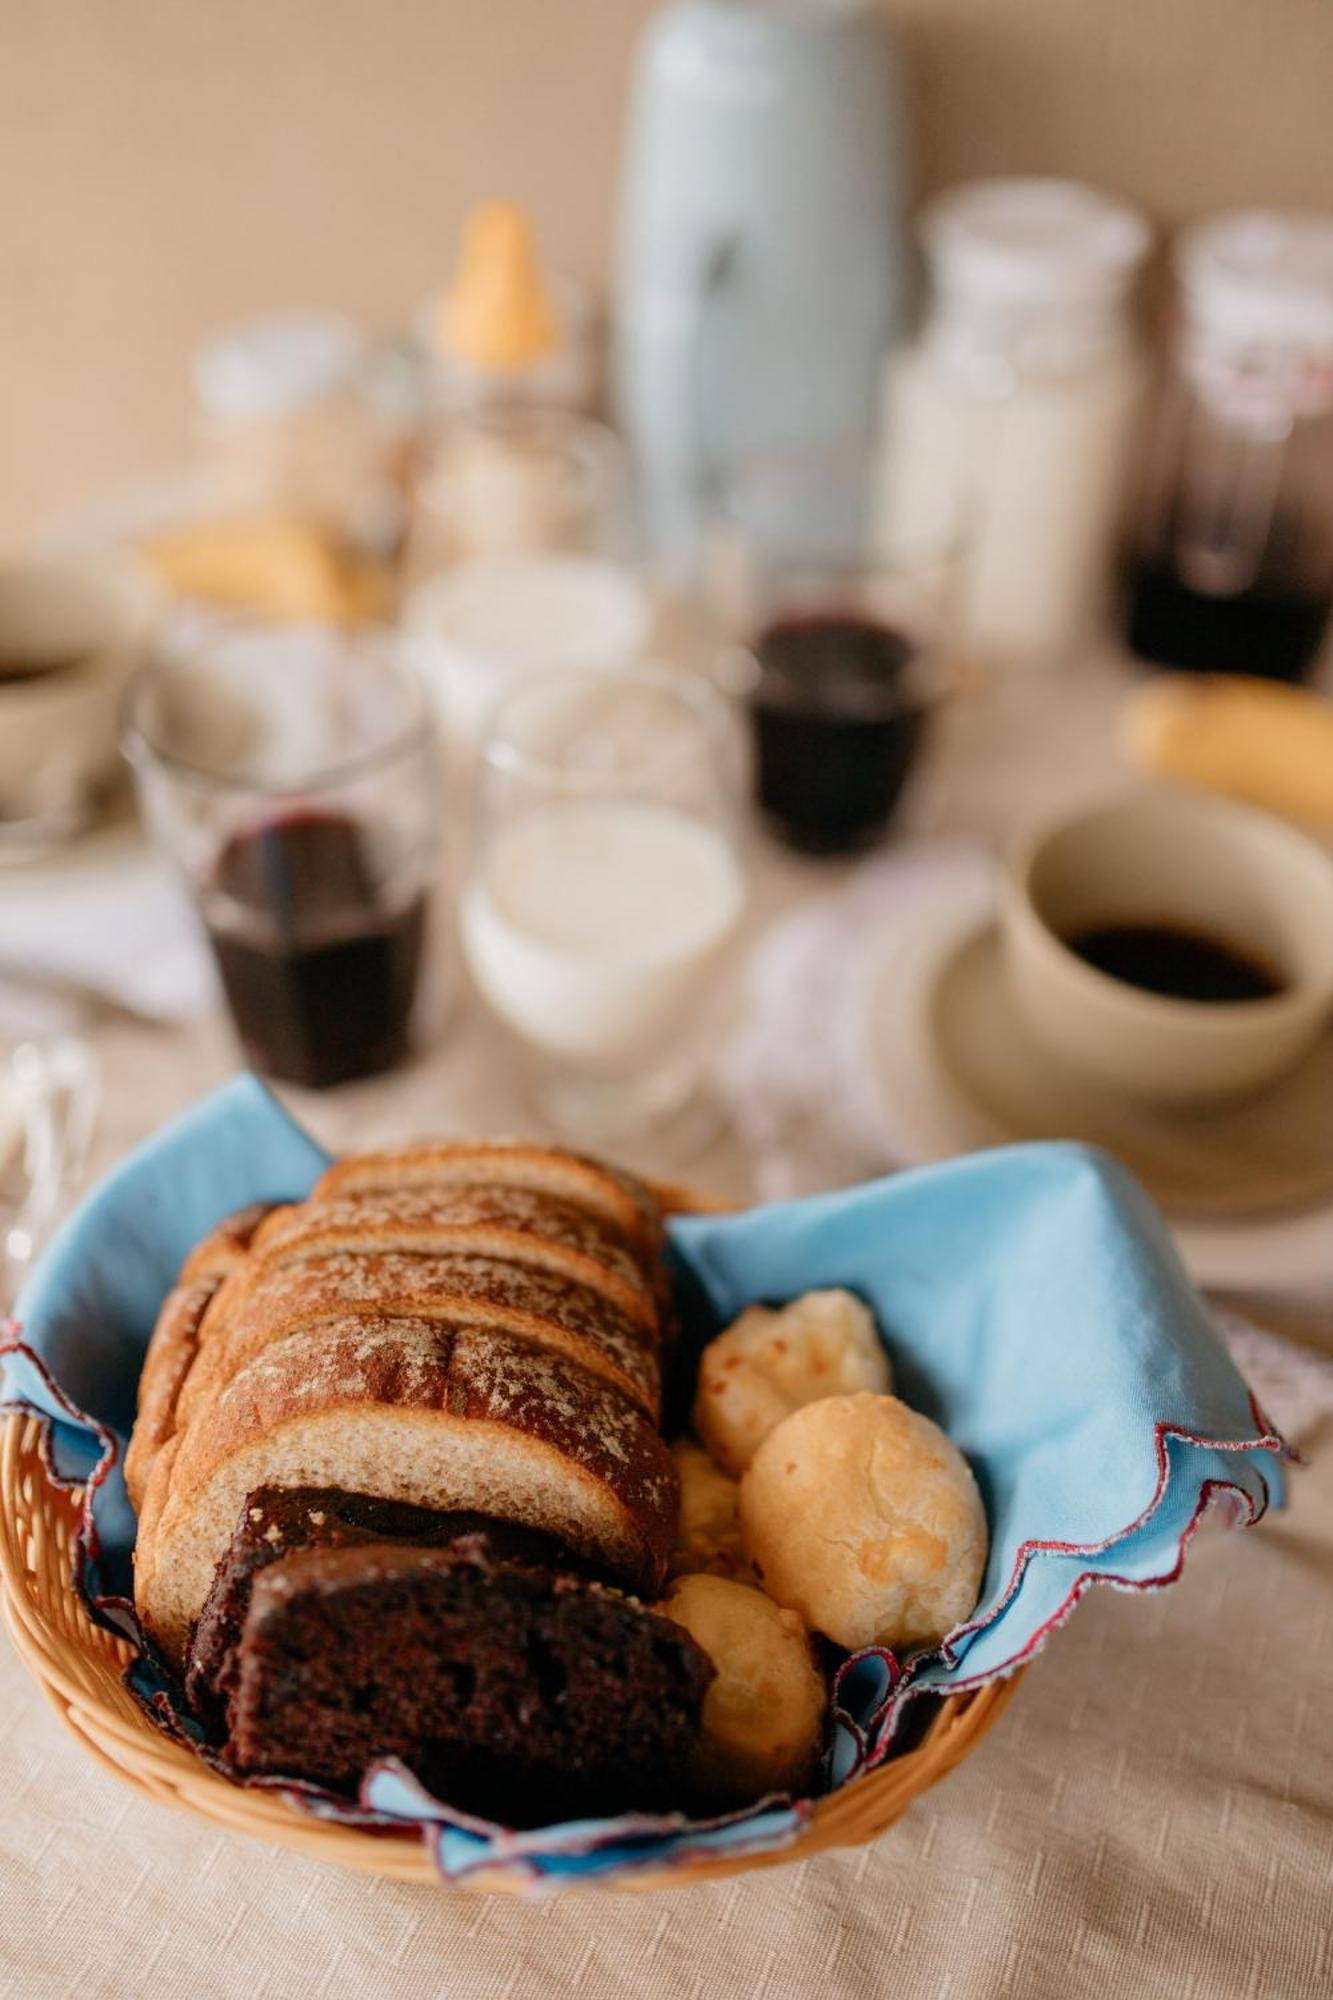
[
  {"x": 600, "y": 1191},
  {"x": 450, "y": 1343},
  {"x": 458, "y": 1288},
  {"x": 532, "y": 1230}
]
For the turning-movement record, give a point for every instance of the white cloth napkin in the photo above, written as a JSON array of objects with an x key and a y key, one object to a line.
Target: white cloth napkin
[
  {"x": 795, "y": 1074},
  {"x": 110, "y": 922}
]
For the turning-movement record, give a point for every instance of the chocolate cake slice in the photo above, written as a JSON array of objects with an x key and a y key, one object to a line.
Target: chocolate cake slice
[
  {"x": 512, "y": 1691},
  {"x": 276, "y": 1521}
]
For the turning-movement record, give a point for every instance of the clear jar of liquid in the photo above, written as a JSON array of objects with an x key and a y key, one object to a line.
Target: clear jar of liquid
[
  {"x": 1231, "y": 565},
  {"x": 1014, "y": 412},
  {"x": 282, "y": 421}
]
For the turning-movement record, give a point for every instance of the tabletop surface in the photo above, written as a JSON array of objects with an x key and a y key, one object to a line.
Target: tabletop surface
[{"x": 1153, "y": 1815}]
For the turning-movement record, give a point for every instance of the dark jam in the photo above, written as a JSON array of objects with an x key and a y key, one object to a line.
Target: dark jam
[
  {"x": 1272, "y": 629},
  {"x": 836, "y": 731},
  {"x": 1181, "y": 614},
  {"x": 319, "y": 971},
  {"x": 1181, "y": 964}
]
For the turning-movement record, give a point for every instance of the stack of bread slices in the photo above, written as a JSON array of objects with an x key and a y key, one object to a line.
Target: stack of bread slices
[{"x": 470, "y": 1327}]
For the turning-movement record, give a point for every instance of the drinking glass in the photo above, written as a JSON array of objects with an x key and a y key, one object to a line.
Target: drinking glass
[
  {"x": 846, "y": 637},
  {"x": 510, "y": 482},
  {"x": 292, "y": 776},
  {"x": 604, "y": 886}
]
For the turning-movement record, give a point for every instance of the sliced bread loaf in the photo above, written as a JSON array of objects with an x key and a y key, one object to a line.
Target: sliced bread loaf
[{"x": 415, "y": 1411}]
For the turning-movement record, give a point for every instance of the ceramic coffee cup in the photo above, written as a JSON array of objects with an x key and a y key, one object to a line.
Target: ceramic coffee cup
[
  {"x": 1184, "y": 861},
  {"x": 72, "y": 631}
]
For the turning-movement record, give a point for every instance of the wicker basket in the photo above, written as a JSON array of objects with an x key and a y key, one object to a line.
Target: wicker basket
[{"x": 79, "y": 1665}]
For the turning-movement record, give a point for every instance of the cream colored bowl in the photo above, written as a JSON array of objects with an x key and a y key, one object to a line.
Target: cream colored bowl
[
  {"x": 1170, "y": 858},
  {"x": 72, "y": 630}
]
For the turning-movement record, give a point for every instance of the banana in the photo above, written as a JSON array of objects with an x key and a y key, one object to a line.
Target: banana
[{"x": 1266, "y": 742}]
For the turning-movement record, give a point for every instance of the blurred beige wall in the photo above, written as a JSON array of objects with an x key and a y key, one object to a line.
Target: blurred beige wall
[{"x": 166, "y": 165}]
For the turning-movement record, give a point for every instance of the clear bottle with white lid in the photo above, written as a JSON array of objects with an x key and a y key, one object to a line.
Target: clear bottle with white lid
[
  {"x": 1231, "y": 567},
  {"x": 507, "y": 461},
  {"x": 1010, "y": 421},
  {"x": 282, "y": 420}
]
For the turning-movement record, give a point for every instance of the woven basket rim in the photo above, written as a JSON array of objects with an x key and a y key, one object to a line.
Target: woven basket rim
[{"x": 78, "y": 1665}]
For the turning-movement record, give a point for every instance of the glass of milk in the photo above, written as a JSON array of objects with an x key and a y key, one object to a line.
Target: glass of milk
[{"x": 605, "y": 885}]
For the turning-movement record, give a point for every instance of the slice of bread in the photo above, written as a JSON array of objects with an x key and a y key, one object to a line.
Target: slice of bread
[
  {"x": 603, "y": 1192},
  {"x": 527, "y": 1229},
  {"x": 174, "y": 1344},
  {"x": 224, "y": 1247},
  {"x": 413, "y": 1411},
  {"x": 460, "y": 1290},
  {"x": 171, "y": 1356},
  {"x": 514, "y": 1691}
]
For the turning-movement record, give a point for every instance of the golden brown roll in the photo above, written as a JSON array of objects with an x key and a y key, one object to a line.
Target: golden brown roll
[
  {"x": 862, "y": 1515},
  {"x": 763, "y": 1717}
]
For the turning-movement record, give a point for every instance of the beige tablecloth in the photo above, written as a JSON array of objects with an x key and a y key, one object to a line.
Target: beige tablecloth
[{"x": 1152, "y": 1816}]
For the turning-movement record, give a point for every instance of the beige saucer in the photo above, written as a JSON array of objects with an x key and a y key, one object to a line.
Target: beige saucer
[{"x": 1273, "y": 1151}]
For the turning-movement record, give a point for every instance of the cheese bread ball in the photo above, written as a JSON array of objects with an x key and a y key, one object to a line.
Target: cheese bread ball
[
  {"x": 770, "y": 1363},
  {"x": 860, "y": 1514},
  {"x": 708, "y": 1531},
  {"x": 763, "y": 1717}
]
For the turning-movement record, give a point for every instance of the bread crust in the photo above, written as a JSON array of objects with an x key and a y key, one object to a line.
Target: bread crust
[
  {"x": 223, "y": 1248},
  {"x": 553, "y": 1311},
  {"x": 606, "y": 1193},
  {"x": 174, "y": 1343},
  {"x": 529, "y": 1229},
  {"x": 171, "y": 1355}
]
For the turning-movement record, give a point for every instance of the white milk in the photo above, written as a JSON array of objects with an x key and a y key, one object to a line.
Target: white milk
[
  {"x": 592, "y": 927},
  {"x": 486, "y": 624}
]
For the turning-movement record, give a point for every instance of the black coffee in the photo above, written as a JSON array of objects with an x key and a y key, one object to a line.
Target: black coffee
[{"x": 1179, "y": 963}]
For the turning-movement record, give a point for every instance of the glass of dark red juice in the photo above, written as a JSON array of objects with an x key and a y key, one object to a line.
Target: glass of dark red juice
[
  {"x": 292, "y": 774},
  {"x": 845, "y": 644}
]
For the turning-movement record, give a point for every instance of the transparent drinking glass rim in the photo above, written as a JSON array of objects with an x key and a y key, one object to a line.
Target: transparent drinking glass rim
[
  {"x": 690, "y": 688},
  {"x": 139, "y": 747},
  {"x": 924, "y": 682},
  {"x": 592, "y": 450}
]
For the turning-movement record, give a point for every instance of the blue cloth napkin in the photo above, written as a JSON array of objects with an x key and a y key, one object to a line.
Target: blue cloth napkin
[{"x": 1032, "y": 1303}]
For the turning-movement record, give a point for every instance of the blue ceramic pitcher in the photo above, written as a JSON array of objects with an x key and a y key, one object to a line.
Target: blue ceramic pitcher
[{"x": 762, "y": 270}]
